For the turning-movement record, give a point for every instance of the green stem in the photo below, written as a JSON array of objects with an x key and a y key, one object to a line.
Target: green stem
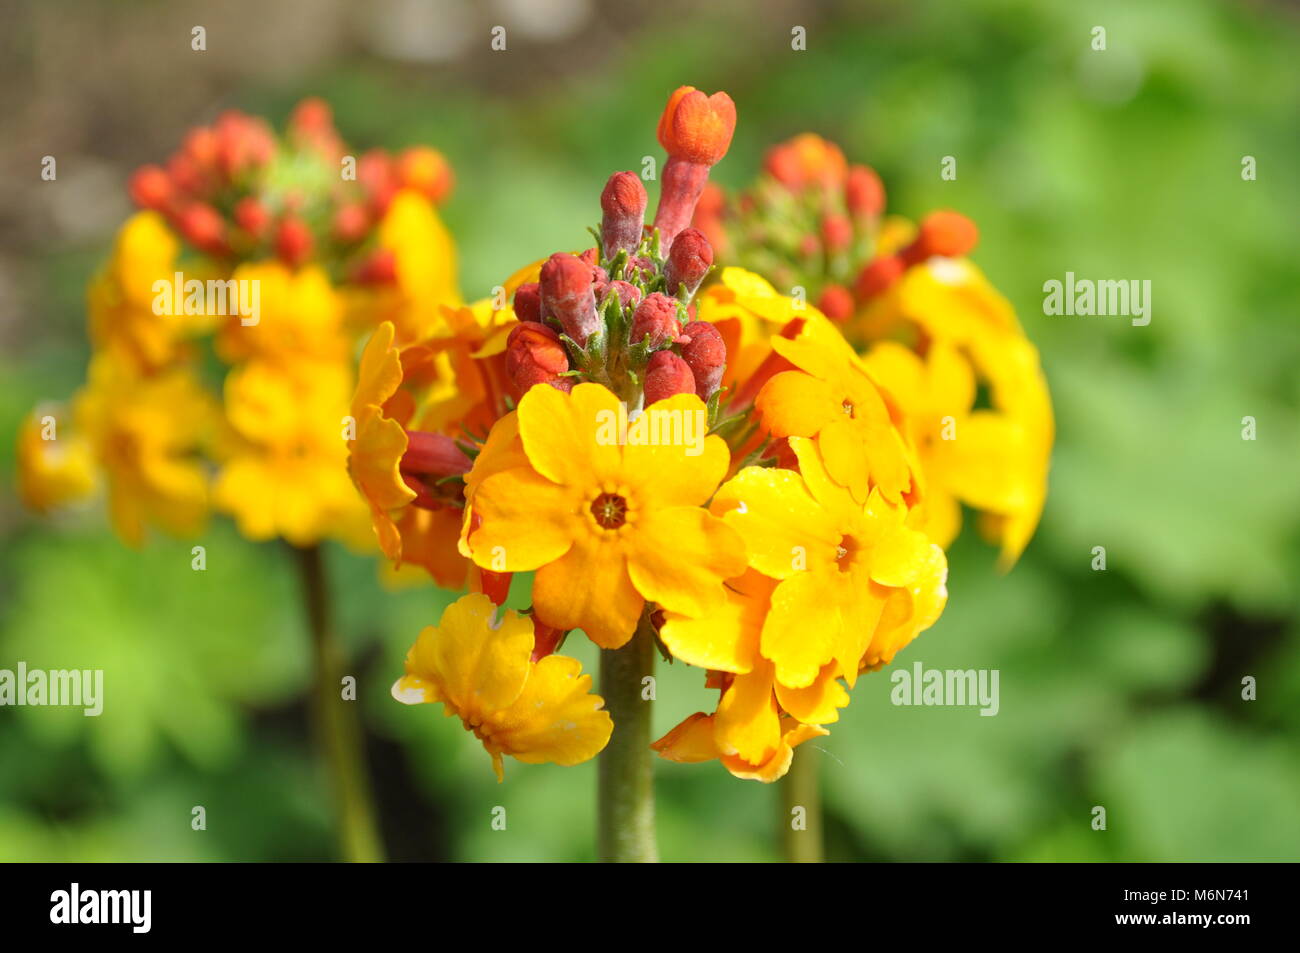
[
  {"x": 626, "y": 832},
  {"x": 801, "y": 832},
  {"x": 336, "y": 724}
]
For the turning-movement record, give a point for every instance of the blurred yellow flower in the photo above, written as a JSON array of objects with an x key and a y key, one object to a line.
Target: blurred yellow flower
[
  {"x": 53, "y": 468},
  {"x": 480, "y": 669},
  {"x": 146, "y": 432}
]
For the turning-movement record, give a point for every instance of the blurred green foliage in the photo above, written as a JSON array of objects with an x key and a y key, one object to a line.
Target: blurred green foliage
[{"x": 1120, "y": 689}]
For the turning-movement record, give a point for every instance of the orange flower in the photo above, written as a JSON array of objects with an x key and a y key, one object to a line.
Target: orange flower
[{"x": 697, "y": 127}]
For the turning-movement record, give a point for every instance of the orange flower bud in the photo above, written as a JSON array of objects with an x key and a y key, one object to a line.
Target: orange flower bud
[
  {"x": 666, "y": 376},
  {"x": 535, "y": 355},
  {"x": 350, "y": 222},
  {"x": 203, "y": 227},
  {"x": 696, "y": 127},
  {"x": 379, "y": 268},
  {"x": 946, "y": 234},
  {"x": 426, "y": 170},
  {"x": 837, "y": 233},
  {"x": 429, "y": 458},
  {"x": 546, "y": 638}
]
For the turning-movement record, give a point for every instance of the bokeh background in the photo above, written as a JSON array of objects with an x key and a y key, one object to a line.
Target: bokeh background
[{"x": 1119, "y": 688}]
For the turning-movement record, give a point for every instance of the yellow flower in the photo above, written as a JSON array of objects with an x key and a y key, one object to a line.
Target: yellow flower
[
  {"x": 284, "y": 472},
  {"x": 146, "y": 432},
  {"x": 121, "y": 299},
  {"x": 480, "y": 669},
  {"x": 607, "y": 527},
  {"x": 53, "y": 469},
  {"x": 695, "y": 740},
  {"x": 993, "y": 459},
  {"x": 855, "y": 582},
  {"x": 830, "y": 397},
  {"x": 300, "y": 319},
  {"x": 748, "y": 312}
]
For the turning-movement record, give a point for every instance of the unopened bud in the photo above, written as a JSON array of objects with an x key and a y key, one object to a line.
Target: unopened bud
[
  {"x": 666, "y": 376},
  {"x": 706, "y": 355},
  {"x": 688, "y": 262},
  {"x": 836, "y": 303},
  {"x": 656, "y": 317},
  {"x": 944, "y": 234},
  {"x": 528, "y": 302},
  {"x": 878, "y": 276},
  {"x": 351, "y": 222},
  {"x": 535, "y": 355},
  {"x": 864, "y": 193},
  {"x": 427, "y": 171},
  {"x": 151, "y": 187},
  {"x": 428, "y": 460},
  {"x": 293, "y": 242},
  {"x": 203, "y": 227},
  {"x": 837, "y": 233},
  {"x": 623, "y": 213},
  {"x": 568, "y": 297},
  {"x": 252, "y": 216},
  {"x": 629, "y": 295}
]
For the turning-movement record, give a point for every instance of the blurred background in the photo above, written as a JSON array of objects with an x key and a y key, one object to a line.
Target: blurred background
[{"x": 1119, "y": 688}]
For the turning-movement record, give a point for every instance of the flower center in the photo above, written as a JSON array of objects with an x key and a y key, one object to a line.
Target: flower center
[
  {"x": 610, "y": 510},
  {"x": 845, "y": 553},
  {"x": 847, "y": 407}
]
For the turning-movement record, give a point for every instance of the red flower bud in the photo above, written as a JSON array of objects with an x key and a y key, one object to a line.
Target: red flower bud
[
  {"x": 293, "y": 242},
  {"x": 946, "y": 234},
  {"x": 864, "y": 193},
  {"x": 667, "y": 375},
  {"x": 378, "y": 179},
  {"x": 350, "y": 222},
  {"x": 696, "y": 127},
  {"x": 688, "y": 262},
  {"x": 706, "y": 355},
  {"x": 203, "y": 227},
  {"x": 528, "y": 302},
  {"x": 379, "y": 268},
  {"x": 837, "y": 233},
  {"x": 252, "y": 216},
  {"x": 629, "y": 295},
  {"x": 151, "y": 187},
  {"x": 429, "y": 458},
  {"x": 836, "y": 303},
  {"x": 878, "y": 276},
  {"x": 546, "y": 638},
  {"x": 656, "y": 316},
  {"x": 535, "y": 355},
  {"x": 567, "y": 296},
  {"x": 623, "y": 207}
]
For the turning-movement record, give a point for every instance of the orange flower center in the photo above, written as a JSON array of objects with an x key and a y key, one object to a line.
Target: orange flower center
[
  {"x": 847, "y": 406},
  {"x": 610, "y": 510},
  {"x": 845, "y": 553}
]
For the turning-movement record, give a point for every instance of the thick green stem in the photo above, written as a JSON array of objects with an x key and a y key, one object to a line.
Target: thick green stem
[
  {"x": 336, "y": 725},
  {"x": 626, "y": 832},
  {"x": 801, "y": 810}
]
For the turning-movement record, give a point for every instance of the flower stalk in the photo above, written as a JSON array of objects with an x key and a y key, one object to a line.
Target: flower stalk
[
  {"x": 801, "y": 836},
  {"x": 626, "y": 831},
  {"x": 336, "y": 726}
]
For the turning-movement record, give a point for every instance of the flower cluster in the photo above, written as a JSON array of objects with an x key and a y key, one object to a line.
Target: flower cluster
[
  {"x": 934, "y": 333},
  {"x": 708, "y": 464},
  {"x": 275, "y": 254}
]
